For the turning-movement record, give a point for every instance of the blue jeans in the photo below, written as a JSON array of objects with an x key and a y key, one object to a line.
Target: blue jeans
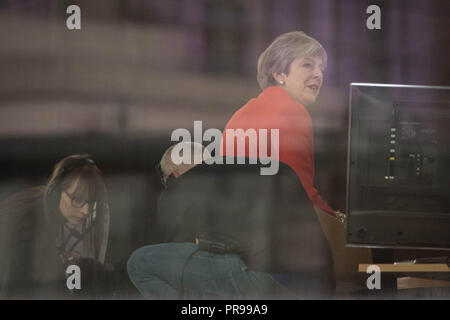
[{"x": 156, "y": 271}]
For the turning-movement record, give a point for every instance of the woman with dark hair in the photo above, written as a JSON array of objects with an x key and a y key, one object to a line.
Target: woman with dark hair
[{"x": 44, "y": 229}]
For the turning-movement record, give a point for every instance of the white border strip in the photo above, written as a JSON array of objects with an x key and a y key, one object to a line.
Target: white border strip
[{"x": 362, "y": 84}]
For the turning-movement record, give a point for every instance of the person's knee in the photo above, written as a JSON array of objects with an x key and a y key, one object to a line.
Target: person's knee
[
  {"x": 144, "y": 260},
  {"x": 155, "y": 259},
  {"x": 138, "y": 262}
]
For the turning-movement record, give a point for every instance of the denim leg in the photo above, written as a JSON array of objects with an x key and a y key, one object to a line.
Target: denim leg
[
  {"x": 156, "y": 272},
  {"x": 215, "y": 276}
]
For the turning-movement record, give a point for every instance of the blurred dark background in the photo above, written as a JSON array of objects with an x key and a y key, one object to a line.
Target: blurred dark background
[{"x": 138, "y": 69}]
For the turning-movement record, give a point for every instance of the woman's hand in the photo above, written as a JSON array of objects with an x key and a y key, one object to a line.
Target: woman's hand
[
  {"x": 73, "y": 257},
  {"x": 342, "y": 217}
]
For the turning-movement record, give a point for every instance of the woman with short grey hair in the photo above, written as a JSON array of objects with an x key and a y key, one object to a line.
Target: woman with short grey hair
[
  {"x": 278, "y": 57},
  {"x": 290, "y": 73}
]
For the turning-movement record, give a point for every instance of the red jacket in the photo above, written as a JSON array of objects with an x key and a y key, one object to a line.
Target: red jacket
[{"x": 275, "y": 109}]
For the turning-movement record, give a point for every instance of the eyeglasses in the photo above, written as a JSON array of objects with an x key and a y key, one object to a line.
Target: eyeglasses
[{"x": 78, "y": 202}]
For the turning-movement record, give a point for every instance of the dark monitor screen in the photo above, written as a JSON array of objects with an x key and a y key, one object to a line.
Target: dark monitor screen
[{"x": 398, "y": 173}]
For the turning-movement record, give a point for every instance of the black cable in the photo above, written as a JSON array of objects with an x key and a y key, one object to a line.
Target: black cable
[
  {"x": 182, "y": 272},
  {"x": 212, "y": 247},
  {"x": 62, "y": 249}
]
